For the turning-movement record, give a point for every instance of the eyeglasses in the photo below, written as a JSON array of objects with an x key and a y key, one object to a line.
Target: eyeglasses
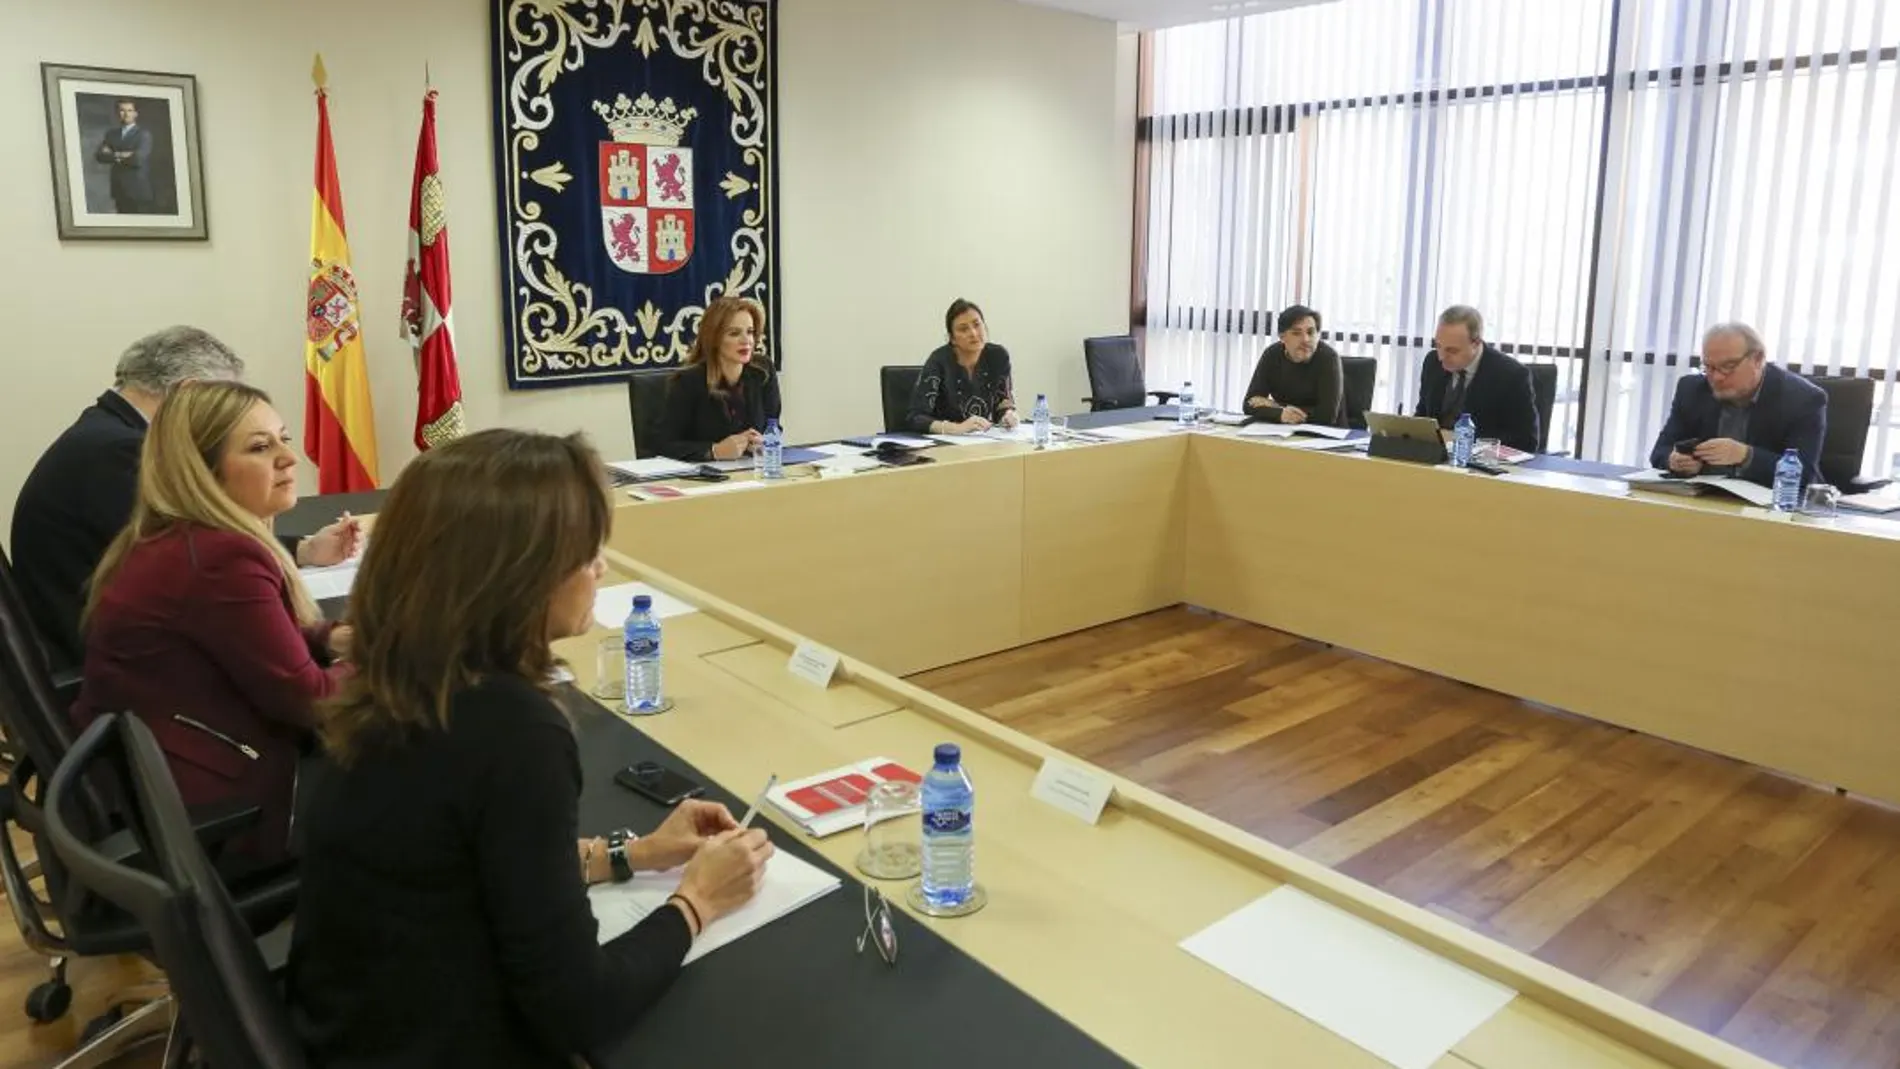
[
  {"x": 878, "y": 929},
  {"x": 1727, "y": 367}
]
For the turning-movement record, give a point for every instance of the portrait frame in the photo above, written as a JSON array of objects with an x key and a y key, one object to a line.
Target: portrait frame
[{"x": 120, "y": 180}]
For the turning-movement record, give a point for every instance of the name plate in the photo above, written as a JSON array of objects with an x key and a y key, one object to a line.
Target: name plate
[
  {"x": 814, "y": 664},
  {"x": 1076, "y": 791}
]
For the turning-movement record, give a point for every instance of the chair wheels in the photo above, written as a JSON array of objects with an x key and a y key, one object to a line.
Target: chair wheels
[
  {"x": 49, "y": 1001},
  {"x": 101, "y": 1024}
]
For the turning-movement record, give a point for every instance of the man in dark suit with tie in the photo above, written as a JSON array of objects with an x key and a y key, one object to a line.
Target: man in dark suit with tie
[
  {"x": 1464, "y": 373},
  {"x": 80, "y": 493},
  {"x": 1741, "y": 413},
  {"x": 128, "y": 148}
]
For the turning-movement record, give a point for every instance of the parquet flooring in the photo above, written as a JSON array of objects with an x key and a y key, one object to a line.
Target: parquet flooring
[{"x": 1751, "y": 906}]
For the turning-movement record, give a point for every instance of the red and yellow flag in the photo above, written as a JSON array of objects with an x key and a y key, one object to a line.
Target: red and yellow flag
[
  {"x": 425, "y": 296},
  {"x": 339, "y": 431}
]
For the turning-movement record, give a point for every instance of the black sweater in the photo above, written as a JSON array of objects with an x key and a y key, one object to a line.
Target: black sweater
[
  {"x": 946, "y": 392},
  {"x": 442, "y": 919},
  {"x": 693, "y": 420},
  {"x": 1318, "y": 387}
]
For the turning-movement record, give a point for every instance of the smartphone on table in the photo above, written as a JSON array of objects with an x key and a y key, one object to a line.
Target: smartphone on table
[{"x": 658, "y": 782}]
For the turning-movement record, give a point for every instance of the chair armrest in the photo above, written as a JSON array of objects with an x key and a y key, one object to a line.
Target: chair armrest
[
  {"x": 1163, "y": 396},
  {"x": 215, "y": 824},
  {"x": 1864, "y": 486},
  {"x": 66, "y": 687}
]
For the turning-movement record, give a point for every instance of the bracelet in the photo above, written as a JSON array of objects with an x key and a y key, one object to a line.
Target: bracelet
[
  {"x": 692, "y": 912},
  {"x": 617, "y": 854}
]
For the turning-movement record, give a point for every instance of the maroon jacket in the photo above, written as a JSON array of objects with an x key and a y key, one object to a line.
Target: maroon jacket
[{"x": 195, "y": 635}]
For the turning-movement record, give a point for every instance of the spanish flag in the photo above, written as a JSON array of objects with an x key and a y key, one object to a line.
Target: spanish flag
[{"x": 339, "y": 430}]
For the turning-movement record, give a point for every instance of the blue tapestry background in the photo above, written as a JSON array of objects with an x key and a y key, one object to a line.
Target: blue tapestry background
[{"x": 572, "y": 316}]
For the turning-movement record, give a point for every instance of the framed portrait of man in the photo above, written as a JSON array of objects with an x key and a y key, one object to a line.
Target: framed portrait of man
[{"x": 125, "y": 153}]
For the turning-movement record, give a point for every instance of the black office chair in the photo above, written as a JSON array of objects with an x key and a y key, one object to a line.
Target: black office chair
[
  {"x": 1544, "y": 396},
  {"x": 233, "y": 1012},
  {"x": 1115, "y": 376},
  {"x": 896, "y": 383},
  {"x": 1850, "y": 410},
  {"x": 646, "y": 398},
  {"x": 1362, "y": 378}
]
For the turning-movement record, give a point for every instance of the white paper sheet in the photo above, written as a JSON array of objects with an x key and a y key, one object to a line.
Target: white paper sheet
[
  {"x": 1752, "y": 493},
  {"x": 789, "y": 884},
  {"x": 1390, "y": 997},
  {"x": 334, "y": 581},
  {"x": 964, "y": 439},
  {"x": 1134, "y": 432},
  {"x": 613, "y": 603},
  {"x": 839, "y": 449},
  {"x": 838, "y": 465}
]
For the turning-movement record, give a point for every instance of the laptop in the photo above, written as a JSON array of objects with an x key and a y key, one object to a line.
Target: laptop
[{"x": 1406, "y": 438}]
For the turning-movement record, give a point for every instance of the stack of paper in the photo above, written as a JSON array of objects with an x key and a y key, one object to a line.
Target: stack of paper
[
  {"x": 1752, "y": 493},
  {"x": 613, "y": 603},
  {"x": 1134, "y": 432},
  {"x": 1886, "y": 499},
  {"x": 789, "y": 884},
  {"x": 653, "y": 467},
  {"x": 832, "y": 801},
  {"x": 334, "y": 581},
  {"x": 1288, "y": 430}
]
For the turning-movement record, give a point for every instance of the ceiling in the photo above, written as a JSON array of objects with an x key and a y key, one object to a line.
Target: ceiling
[{"x": 1154, "y": 14}]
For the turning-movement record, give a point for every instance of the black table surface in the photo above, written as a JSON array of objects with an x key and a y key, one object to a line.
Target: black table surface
[
  {"x": 311, "y": 514},
  {"x": 797, "y": 992}
]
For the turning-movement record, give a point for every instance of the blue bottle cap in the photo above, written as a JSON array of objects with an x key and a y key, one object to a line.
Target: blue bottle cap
[
  {"x": 642, "y": 603},
  {"x": 949, "y": 754}
]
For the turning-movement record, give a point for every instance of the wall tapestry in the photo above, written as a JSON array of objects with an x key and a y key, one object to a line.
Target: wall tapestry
[{"x": 635, "y": 164}]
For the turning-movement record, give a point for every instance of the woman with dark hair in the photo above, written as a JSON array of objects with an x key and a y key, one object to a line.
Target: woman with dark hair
[
  {"x": 442, "y": 917},
  {"x": 1299, "y": 378},
  {"x": 964, "y": 386},
  {"x": 718, "y": 404}
]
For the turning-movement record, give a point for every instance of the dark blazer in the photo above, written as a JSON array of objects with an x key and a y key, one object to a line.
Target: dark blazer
[
  {"x": 70, "y": 508},
  {"x": 132, "y": 177},
  {"x": 441, "y": 917},
  {"x": 692, "y": 420},
  {"x": 195, "y": 635},
  {"x": 945, "y": 392},
  {"x": 1789, "y": 413},
  {"x": 1498, "y": 397}
]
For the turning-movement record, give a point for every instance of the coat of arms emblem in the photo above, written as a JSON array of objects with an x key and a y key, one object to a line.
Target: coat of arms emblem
[
  {"x": 331, "y": 322},
  {"x": 646, "y": 185}
]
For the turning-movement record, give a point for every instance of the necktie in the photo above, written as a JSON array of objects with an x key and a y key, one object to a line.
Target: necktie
[{"x": 1454, "y": 400}]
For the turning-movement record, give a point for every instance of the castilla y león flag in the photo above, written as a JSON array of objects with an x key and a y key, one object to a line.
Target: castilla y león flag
[
  {"x": 425, "y": 297},
  {"x": 339, "y": 431}
]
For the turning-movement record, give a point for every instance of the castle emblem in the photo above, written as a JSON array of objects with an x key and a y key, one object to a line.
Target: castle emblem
[{"x": 646, "y": 185}]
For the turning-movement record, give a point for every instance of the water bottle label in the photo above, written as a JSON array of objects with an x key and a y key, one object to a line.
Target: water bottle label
[
  {"x": 643, "y": 647},
  {"x": 946, "y": 821}
]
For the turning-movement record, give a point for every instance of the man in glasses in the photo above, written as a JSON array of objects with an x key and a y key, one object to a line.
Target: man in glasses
[
  {"x": 1738, "y": 416},
  {"x": 1464, "y": 373}
]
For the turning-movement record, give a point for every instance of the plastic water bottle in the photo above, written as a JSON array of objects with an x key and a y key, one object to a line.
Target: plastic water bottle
[
  {"x": 772, "y": 453},
  {"x": 1464, "y": 436},
  {"x": 642, "y": 640},
  {"x": 949, "y": 838},
  {"x": 1788, "y": 472},
  {"x": 1040, "y": 419},
  {"x": 1184, "y": 405}
]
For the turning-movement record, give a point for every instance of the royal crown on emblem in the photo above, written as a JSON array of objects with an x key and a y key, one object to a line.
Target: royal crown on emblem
[{"x": 642, "y": 122}]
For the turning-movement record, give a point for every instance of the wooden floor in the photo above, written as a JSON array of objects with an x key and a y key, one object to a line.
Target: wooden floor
[{"x": 1751, "y": 906}]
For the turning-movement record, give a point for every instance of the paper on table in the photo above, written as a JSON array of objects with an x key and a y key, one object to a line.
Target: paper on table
[
  {"x": 1266, "y": 430},
  {"x": 613, "y": 603},
  {"x": 789, "y": 884},
  {"x": 839, "y": 449},
  {"x": 964, "y": 439},
  {"x": 1134, "y": 432},
  {"x": 334, "y": 581},
  {"x": 652, "y": 467},
  {"x": 1753, "y": 493},
  {"x": 1396, "y": 1000},
  {"x": 849, "y": 462},
  {"x": 1330, "y": 445}
]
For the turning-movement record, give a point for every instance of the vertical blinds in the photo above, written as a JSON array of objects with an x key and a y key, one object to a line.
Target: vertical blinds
[{"x": 1602, "y": 178}]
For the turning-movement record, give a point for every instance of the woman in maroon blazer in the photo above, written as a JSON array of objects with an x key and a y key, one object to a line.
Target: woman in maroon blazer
[{"x": 197, "y": 621}]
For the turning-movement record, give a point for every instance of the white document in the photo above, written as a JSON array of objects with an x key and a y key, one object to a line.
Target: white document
[
  {"x": 613, "y": 603},
  {"x": 964, "y": 439},
  {"x": 849, "y": 462},
  {"x": 1075, "y": 790},
  {"x": 789, "y": 884},
  {"x": 813, "y": 663},
  {"x": 839, "y": 449},
  {"x": 1323, "y": 445},
  {"x": 652, "y": 467},
  {"x": 1266, "y": 430},
  {"x": 742, "y": 464},
  {"x": 1134, "y": 432},
  {"x": 334, "y": 581},
  {"x": 1753, "y": 493},
  {"x": 1289, "y": 430},
  {"x": 1394, "y": 999}
]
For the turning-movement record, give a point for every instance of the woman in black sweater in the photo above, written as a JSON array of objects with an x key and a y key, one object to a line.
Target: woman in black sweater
[
  {"x": 1299, "y": 378},
  {"x": 718, "y": 404},
  {"x": 442, "y": 916},
  {"x": 964, "y": 386}
]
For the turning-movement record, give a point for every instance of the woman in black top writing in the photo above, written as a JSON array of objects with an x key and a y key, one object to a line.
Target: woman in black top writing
[
  {"x": 718, "y": 404},
  {"x": 964, "y": 386},
  {"x": 442, "y": 917},
  {"x": 1299, "y": 378}
]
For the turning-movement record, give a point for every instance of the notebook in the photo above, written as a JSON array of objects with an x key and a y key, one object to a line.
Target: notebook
[
  {"x": 832, "y": 801},
  {"x": 789, "y": 884},
  {"x": 1701, "y": 484}
]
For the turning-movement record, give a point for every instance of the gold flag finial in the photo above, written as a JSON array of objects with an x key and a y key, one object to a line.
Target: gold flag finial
[{"x": 318, "y": 74}]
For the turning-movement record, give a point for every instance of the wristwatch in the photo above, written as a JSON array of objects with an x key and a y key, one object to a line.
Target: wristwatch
[{"x": 617, "y": 854}]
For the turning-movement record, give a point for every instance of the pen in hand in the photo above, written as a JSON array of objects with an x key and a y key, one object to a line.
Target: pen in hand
[{"x": 757, "y": 802}]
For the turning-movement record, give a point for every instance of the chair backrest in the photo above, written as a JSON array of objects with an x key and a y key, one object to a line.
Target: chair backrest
[
  {"x": 232, "y": 1008},
  {"x": 895, "y": 384},
  {"x": 1115, "y": 378},
  {"x": 1544, "y": 395},
  {"x": 1362, "y": 377},
  {"x": 1850, "y": 410},
  {"x": 646, "y": 398},
  {"x": 29, "y": 712}
]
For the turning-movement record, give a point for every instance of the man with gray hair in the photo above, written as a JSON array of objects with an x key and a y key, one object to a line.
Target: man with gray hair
[
  {"x": 1466, "y": 374},
  {"x": 1738, "y": 416},
  {"x": 80, "y": 493}
]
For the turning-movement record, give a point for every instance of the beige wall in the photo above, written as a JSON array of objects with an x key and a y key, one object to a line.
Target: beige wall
[{"x": 931, "y": 148}]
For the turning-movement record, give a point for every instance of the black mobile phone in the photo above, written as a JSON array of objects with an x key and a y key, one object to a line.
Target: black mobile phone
[
  {"x": 658, "y": 782},
  {"x": 706, "y": 473},
  {"x": 1687, "y": 446}
]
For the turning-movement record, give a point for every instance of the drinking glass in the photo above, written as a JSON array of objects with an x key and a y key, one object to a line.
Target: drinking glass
[
  {"x": 1821, "y": 501},
  {"x": 1485, "y": 451},
  {"x": 893, "y": 832},
  {"x": 610, "y": 669}
]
